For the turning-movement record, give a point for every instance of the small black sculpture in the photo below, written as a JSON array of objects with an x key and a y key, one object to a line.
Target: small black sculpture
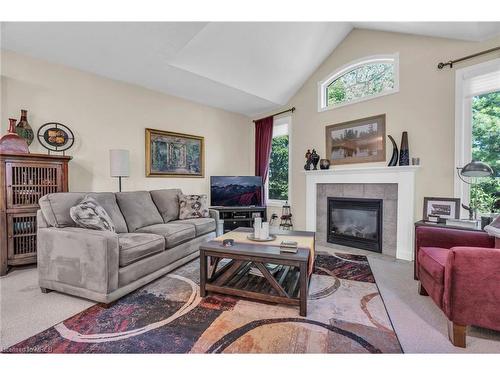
[
  {"x": 394, "y": 158},
  {"x": 471, "y": 211},
  {"x": 315, "y": 159},
  {"x": 307, "y": 166}
]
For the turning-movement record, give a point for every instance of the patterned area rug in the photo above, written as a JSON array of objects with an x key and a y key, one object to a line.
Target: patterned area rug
[{"x": 345, "y": 315}]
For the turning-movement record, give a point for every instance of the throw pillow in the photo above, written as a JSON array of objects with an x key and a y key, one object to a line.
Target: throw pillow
[
  {"x": 91, "y": 215},
  {"x": 494, "y": 228},
  {"x": 193, "y": 206}
]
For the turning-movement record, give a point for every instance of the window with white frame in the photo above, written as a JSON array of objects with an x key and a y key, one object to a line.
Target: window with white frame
[
  {"x": 359, "y": 80},
  {"x": 278, "y": 183},
  {"x": 477, "y": 131}
]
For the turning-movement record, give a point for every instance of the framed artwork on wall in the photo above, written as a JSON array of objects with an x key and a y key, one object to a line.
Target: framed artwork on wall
[
  {"x": 358, "y": 141},
  {"x": 170, "y": 154},
  {"x": 445, "y": 208}
]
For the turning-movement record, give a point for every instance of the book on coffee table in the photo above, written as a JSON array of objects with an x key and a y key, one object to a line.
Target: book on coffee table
[{"x": 289, "y": 246}]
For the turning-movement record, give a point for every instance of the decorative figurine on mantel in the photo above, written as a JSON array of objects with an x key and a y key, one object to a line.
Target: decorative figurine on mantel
[
  {"x": 315, "y": 159},
  {"x": 307, "y": 166},
  {"x": 324, "y": 164}
]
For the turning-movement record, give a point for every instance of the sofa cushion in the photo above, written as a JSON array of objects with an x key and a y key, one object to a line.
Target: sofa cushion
[
  {"x": 174, "y": 234},
  {"x": 167, "y": 202},
  {"x": 193, "y": 207},
  {"x": 433, "y": 261},
  {"x": 138, "y": 209},
  {"x": 108, "y": 202},
  {"x": 202, "y": 225},
  {"x": 136, "y": 246},
  {"x": 55, "y": 208},
  {"x": 91, "y": 215}
]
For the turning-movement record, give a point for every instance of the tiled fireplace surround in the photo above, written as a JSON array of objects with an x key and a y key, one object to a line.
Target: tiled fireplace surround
[
  {"x": 387, "y": 192},
  {"x": 395, "y": 185}
]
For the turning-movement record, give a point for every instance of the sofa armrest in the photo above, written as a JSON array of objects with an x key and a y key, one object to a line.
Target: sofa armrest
[
  {"x": 219, "y": 224},
  {"x": 79, "y": 257},
  {"x": 471, "y": 290}
]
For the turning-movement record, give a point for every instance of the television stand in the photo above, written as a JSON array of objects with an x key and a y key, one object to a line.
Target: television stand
[{"x": 235, "y": 217}]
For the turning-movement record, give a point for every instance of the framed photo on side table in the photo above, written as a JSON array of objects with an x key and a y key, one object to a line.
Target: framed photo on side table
[
  {"x": 445, "y": 208},
  {"x": 171, "y": 154}
]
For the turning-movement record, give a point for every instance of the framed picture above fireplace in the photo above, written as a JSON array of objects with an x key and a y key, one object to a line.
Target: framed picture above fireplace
[
  {"x": 445, "y": 208},
  {"x": 358, "y": 141}
]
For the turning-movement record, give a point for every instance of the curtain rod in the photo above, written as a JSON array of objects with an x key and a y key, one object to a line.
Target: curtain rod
[
  {"x": 450, "y": 63},
  {"x": 276, "y": 114}
]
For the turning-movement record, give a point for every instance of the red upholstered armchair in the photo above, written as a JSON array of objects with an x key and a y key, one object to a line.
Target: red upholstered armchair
[{"x": 460, "y": 271}]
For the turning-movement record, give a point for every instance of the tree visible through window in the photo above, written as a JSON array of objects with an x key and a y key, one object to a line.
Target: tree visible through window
[
  {"x": 278, "y": 168},
  {"x": 486, "y": 148},
  {"x": 360, "y": 80},
  {"x": 366, "y": 80}
]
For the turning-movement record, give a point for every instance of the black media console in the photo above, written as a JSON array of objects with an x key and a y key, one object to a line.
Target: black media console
[{"x": 235, "y": 217}]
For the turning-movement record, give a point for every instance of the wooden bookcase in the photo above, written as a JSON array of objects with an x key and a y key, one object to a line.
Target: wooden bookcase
[{"x": 24, "y": 179}]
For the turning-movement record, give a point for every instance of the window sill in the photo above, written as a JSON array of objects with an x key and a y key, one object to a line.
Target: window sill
[{"x": 275, "y": 203}]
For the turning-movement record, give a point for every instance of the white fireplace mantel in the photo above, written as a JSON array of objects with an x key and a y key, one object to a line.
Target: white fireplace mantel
[{"x": 403, "y": 176}]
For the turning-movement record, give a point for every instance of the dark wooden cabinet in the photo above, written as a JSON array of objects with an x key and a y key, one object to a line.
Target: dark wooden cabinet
[
  {"x": 24, "y": 179},
  {"x": 236, "y": 217}
]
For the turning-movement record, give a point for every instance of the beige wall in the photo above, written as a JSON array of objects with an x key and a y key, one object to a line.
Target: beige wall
[
  {"x": 424, "y": 107},
  {"x": 106, "y": 114}
]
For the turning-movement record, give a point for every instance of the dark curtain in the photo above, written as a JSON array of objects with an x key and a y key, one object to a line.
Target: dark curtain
[{"x": 263, "y": 141}]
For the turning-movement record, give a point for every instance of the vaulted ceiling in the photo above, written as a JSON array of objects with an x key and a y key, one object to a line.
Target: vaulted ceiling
[{"x": 243, "y": 67}]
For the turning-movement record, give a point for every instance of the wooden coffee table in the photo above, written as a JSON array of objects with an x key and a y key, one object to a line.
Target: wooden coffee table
[{"x": 287, "y": 284}]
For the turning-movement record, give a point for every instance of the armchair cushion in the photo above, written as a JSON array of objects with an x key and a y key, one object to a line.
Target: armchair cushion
[
  {"x": 174, "y": 234},
  {"x": 433, "y": 261},
  {"x": 136, "y": 246},
  {"x": 138, "y": 209}
]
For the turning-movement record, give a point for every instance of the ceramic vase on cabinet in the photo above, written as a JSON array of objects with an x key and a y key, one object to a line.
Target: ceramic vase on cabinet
[
  {"x": 11, "y": 143},
  {"x": 23, "y": 128}
]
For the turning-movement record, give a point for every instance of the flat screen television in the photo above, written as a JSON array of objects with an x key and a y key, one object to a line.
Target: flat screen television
[{"x": 235, "y": 191}]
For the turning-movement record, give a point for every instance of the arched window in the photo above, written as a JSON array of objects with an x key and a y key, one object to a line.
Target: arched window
[{"x": 360, "y": 80}]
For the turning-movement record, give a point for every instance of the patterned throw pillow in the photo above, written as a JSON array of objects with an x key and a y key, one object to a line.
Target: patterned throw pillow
[
  {"x": 193, "y": 206},
  {"x": 91, "y": 215}
]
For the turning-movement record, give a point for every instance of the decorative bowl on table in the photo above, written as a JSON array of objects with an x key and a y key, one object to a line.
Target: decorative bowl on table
[{"x": 271, "y": 237}]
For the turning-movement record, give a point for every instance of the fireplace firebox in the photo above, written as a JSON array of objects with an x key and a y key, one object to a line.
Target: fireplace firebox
[{"x": 355, "y": 222}]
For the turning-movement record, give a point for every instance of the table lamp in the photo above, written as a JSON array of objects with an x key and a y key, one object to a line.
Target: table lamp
[{"x": 119, "y": 165}]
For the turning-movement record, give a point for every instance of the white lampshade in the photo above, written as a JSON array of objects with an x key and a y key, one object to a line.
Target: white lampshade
[{"x": 119, "y": 163}]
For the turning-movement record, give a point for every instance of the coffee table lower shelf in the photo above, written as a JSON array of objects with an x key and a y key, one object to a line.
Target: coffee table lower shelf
[{"x": 287, "y": 284}]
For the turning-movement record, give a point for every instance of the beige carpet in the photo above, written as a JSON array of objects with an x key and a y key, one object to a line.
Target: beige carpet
[{"x": 419, "y": 324}]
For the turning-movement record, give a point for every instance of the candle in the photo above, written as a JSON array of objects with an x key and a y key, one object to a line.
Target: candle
[
  {"x": 264, "y": 234},
  {"x": 257, "y": 227}
]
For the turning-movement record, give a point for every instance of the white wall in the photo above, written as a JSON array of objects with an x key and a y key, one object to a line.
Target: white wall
[
  {"x": 424, "y": 107},
  {"x": 105, "y": 114}
]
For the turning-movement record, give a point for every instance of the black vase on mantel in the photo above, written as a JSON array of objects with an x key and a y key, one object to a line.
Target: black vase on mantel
[{"x": 404, "y": 152}]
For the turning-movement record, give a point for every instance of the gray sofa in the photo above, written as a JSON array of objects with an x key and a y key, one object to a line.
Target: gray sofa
[{"x": 103, "y": 266}]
